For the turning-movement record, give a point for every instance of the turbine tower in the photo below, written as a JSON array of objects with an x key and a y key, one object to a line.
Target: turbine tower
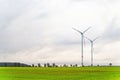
[
  {"x": 92, "y": 49},
  {"x": 82, "y": 37}
]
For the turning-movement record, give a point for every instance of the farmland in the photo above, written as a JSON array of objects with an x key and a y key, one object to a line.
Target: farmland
[{"x": 60, "y": 73}]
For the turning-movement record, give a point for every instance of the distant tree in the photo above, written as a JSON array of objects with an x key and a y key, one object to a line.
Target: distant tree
[
  {"x": 76, "y": 65},
  {"x": 71, "y": 65},
  {"x": 15, "y": 64},
  {"x": 56, "y": 66},
  {"x": 65, "y": 65},
  {"x": 53, "y": 65},
  {"x": 98, "y": 65},
  {"x": 82, "y": 66},
  {"x": 110, "y": 64},
  {"x": 39, "y": 65},
  {"x": 48, "y": 65},
  {"x": 5, "y": 64},
  {"x": 45, "y": 65},
  {"x": 19, "y": 64},
  {"x": 33, "y": 65}
]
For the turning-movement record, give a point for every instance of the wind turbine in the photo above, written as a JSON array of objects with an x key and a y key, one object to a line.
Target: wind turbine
[
  {"x": 92, "y": 43},
  {"x": 82, "y": 38}
]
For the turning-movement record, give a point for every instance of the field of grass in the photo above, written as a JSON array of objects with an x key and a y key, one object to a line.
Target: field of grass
[{"x": 70, "y": 73}]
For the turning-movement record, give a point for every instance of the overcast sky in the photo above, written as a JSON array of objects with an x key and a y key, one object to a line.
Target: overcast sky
[{"x": 34, "y": 31}]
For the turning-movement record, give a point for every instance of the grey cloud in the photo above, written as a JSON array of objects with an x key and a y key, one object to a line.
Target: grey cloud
[
  {"x": 5, "y": 21},
  {"x": 67, "y": 41},
  {"x": 9, "y": 10},
  {"x": 13, "y": 36},
  {"x": 112, "y": 33},
  {"x": 17, "y": 38},
  {"x": 42, "y": 15}
]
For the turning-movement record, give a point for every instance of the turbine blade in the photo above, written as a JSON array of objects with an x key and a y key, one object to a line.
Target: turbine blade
[
  {"x": 86, "y": 29},
  {"x": 95, "y": 39},
  {"x": 88, "y": 39},
  {"x": 77, "y": 30}
]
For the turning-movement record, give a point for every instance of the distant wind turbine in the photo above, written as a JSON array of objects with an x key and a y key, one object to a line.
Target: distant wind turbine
[
  {"x": 82, "y": 38},
  {"x": 92, "y": 48}
]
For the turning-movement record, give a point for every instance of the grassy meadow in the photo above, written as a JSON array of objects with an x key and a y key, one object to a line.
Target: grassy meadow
[{"x": 61, "y": 73}]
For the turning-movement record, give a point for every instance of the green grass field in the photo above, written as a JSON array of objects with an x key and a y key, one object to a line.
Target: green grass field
[{"x": 80, "y": 73}]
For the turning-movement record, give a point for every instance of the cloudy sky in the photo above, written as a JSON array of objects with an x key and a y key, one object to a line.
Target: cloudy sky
[{"x": 34, "y": 31}]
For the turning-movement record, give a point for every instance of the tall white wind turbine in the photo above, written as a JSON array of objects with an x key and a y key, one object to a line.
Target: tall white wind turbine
[
  {"x": 92, "y": 48},
  {"x": 82, "y": 38}
]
